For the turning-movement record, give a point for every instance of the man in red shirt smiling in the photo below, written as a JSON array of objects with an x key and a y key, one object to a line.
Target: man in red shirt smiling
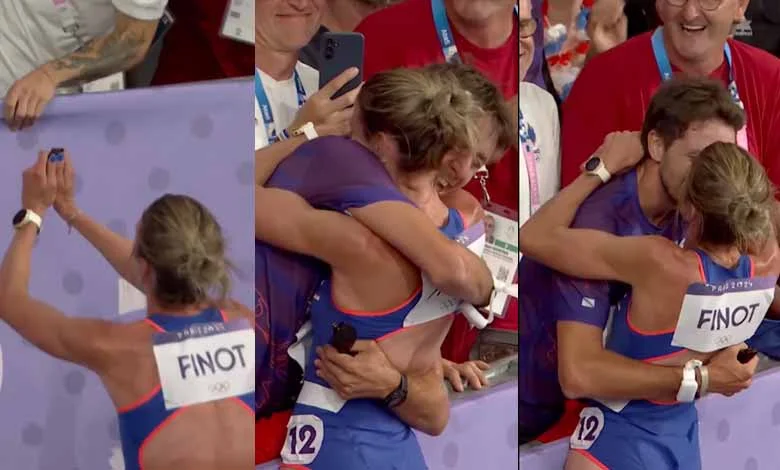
[
  {"x": 614, "y": 90},
  {"x": 485, "y": 35}
]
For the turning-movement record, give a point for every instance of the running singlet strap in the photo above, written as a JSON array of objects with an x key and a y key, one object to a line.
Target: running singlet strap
[
  {"x": 665, "y": 69},
  {"x": 265, "y": 105}
]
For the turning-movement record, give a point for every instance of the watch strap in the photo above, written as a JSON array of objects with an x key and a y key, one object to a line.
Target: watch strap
[
  {"x": 30, "y": 217},
  {"x": 689, "y": 386},
  {"x": 601, "y": 172},
  {"x": 398, "y": 396},
  {"x": 307, "y": 130}
]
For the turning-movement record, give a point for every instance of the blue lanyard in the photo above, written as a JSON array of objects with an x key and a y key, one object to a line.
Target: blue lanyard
[
  {"x": 665, "y": 67},
  {"x": 448, "y": 47},
  {"x": 265, "y": 105},
  {"x": 450, "y": 51}
]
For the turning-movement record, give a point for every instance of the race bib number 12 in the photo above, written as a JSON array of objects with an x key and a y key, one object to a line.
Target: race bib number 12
[
  {"x": 206, "y": 362},
  {"x": 588, "y": 429}
]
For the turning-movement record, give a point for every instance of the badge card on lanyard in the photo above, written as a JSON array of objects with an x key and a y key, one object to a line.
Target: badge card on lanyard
[
  {"x": 665, "y": 69},
  {"x": 501, "y": 248},
  {"x": 501, "y": 253},
  {"x": 238, "y": 23}
]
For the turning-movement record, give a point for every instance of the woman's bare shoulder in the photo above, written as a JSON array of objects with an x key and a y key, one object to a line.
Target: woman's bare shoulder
[
  {"x": 235, "y": 310},
  {"x": 468, "y": 206}
]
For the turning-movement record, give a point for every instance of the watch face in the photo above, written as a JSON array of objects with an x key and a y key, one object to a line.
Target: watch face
[
  {"x": 593, "y": 163},
  {"x": 19, "y": 217}
]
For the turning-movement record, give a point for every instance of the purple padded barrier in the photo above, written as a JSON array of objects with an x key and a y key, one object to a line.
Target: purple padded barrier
[
  {"x": 737, "y": 433},
  {"x": 128, "y": 148},
  {"x": 482, "y": 433}
]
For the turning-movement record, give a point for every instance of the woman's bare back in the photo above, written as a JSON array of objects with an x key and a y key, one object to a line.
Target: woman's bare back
[
  {"x": 216, "y": 435},
  {"x": 393, "y": 280},
  {"x": 656, "y": 303}
]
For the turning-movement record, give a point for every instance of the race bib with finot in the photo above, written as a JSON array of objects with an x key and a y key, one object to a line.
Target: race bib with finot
[
  {"x": 206, "y": 362},
  {"x": 716, "y": 316},
  {"x": 304, "y": 439},
  {"x": 588, "y": 429}
]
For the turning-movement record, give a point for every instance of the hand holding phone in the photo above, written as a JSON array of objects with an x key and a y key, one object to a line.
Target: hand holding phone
[
  {"x": 745, "y": 355},
  {"x": 329, "y": 116}
]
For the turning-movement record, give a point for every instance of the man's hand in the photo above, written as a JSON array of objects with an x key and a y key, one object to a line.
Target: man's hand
[
  {"x": 472, "y": 371},
  {"x": 727, "y": 375},
  {"x": 367, "y": 374},
  {"x": 620, "y": 151},
  {"x": 27, "y": 97},
  {"x": 329, "y": 116},
  {"x": 607, "y": 26}
]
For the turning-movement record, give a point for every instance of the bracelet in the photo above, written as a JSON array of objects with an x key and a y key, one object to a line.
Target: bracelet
[
  {"x": 72, "y": 219},
  {"x": 705, "y": 380}
]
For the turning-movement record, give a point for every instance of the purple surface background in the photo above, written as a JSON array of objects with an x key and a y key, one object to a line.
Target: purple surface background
[
  {"x": 737, "y": 433},
  {"x": 128, "y": 148},
  {"x": 482, "y": 433}
]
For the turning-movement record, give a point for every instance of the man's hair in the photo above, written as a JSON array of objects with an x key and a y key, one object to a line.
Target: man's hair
[{"x": 678, "y": 103}]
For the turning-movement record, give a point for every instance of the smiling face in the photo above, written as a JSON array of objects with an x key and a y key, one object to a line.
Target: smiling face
[
  {"x": 287, "y": 25},
  {"x": 696, "y": 33}
]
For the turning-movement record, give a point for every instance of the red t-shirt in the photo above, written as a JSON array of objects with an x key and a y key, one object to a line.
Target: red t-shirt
[
  {"x": 613, "y": 92},
  {"x": 404, "y": 35},
  {"x": 193, "y": 49}
]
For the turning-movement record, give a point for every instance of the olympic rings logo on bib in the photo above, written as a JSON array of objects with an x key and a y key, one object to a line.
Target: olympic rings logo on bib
[
  {"x": 588, "y": 429},
  {"x": 304, "y": 439}
]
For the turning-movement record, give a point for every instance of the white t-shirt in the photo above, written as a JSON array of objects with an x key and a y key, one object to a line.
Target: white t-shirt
[
  {"x": 540, "y": 111},
  {"x": 283, "y": 98},
  {"x": 32, "y": 32}
]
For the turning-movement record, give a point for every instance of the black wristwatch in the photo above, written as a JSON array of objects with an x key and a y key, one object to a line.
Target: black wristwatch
[{"x": 398, "y": 396}]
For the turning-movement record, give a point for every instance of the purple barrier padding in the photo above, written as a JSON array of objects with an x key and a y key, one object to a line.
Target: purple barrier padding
[
  {"x": 128, "y": 148},
  {"x": 482, "y": 434},
  {"x": 737, "y": 433}
]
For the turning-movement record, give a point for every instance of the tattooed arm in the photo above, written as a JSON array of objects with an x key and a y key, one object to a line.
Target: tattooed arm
[{"x": 116, "y": 51}]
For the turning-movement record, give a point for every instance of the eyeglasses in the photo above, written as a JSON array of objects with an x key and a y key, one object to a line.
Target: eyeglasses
[
  {"x": 527, "y": 28},
  {"x": 708, "y": 5}
]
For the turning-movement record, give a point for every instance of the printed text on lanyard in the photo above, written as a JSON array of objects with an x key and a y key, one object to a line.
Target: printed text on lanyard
[{"x": 265, "y": 105}]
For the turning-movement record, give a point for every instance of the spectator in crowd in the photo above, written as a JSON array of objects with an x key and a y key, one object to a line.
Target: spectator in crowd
[
  {"x": 694, "y": 41},
  {"x": 761, "y": 27},
  {"x": 46, "y": 46},
  {"x": 197, "y": 27},
  {"x": 287, "y": 94},
  {"x": 539, "y": 134},
  {"x": 339, "y": 16},
  {"x": 577, "y": 30},
  {"x": 684, "y": 117},
  {"x": 484, "y": 34}
]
